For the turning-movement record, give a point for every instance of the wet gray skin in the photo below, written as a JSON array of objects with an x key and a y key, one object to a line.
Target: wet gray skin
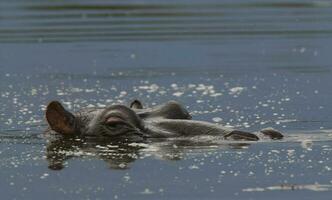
[{"x": 135, "y": 122}]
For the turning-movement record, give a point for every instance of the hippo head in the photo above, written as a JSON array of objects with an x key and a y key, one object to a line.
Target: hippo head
[{"x": 114, "y": 120}]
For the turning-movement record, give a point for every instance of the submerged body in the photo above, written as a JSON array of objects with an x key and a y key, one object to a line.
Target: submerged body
[{"x": 120, "y": 121}]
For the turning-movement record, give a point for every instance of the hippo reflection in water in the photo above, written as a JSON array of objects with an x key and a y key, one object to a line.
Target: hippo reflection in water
[
  {"x": 106, "y": 132},
  {"x": 135, "y": 122}
]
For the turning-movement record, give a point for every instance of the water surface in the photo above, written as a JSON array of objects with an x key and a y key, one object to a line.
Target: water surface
[{"x": 246, "y": 64}]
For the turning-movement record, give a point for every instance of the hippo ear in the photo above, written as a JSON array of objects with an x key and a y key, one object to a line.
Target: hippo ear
[
  {"x": 59, "y": 119},
  {"x": 136, "y": 104}
]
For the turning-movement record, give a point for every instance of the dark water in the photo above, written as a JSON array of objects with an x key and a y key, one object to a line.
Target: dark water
[{"x": 247, "y": 64}]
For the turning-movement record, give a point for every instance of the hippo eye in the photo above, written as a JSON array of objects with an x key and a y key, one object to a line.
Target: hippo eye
[{"x": 114, "y": 122}]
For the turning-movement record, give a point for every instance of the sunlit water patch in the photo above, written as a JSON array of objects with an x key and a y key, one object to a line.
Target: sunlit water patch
[
  {"x": 313, "y": 187},
  {"x": 245, "y": 102},
  {"x": 30, "y": 160}
]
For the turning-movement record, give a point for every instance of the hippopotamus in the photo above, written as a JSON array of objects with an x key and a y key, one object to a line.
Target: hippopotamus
[{"x": 122, "y": 122}]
